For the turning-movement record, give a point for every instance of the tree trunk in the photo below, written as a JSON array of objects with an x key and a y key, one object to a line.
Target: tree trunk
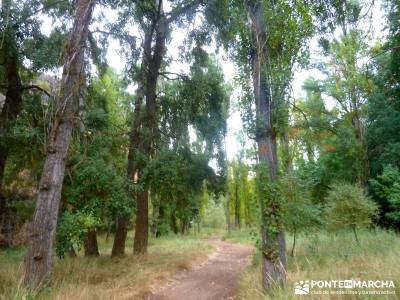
[
  {"x": 273, "y": 237},
  {"x": 91, "y": 248},
  {"x": 160, "y": 219},
  {"x": 228, "y": 213},
  {"x": 359, "y": 132},
  {"x": 5, "y": 240},
  {"x": 109, "y": 226},
  {"x": 174, "y": 226},
  {"x": 149, "y": 124},
  {"x": 142, "y": 224},
  {"x": 294, "y": 242},
  {"x": 118, "y": 248},
  {"x": 11, "y": 108},
  {"x": 227, "y": 196},
  {"x": 237, "y": 206},
  {"x": 39, "y": 258},
  {"x": 355, "y": 235},
  {"x": 134, "y": 143}
]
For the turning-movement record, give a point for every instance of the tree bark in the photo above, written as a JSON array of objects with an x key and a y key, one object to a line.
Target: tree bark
[
  {"x": 91, "y": 248},
  {"x": 118, "y": 248},
  {"x": 227, "y": 196},
  {"x": 150, "y": 124},
  {"x": 142, "y": 224},
  {"x": 174, "y": 226},
  {"x": 294, "y": 243},
  {"x": 272, "y": 234},
  {"x": 228, "y": 212},
  {"x": 39, "y": 258},
  {"x": 11, "y": 108},
  {"x": 134, "y": 142},
  {"x": 355, "y": 235},
  {"x": 237, "y": 205}
]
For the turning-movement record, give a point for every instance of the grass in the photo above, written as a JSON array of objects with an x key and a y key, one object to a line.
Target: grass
[
  {"x": 244, "y": 236},
  {"x": 319, "y": 256},
  {"x": 127, "y": 277},
  {"x": 326, "y": 257}
]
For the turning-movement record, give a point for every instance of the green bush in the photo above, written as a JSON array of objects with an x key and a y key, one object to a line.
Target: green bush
[
  {"x": 387, "y": 188},
  {"x": 72, "y": 229},
  {"x": 348, "y": 207}
]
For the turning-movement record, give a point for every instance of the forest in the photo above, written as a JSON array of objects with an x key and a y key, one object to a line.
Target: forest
[{"x": 199, "y": 149}]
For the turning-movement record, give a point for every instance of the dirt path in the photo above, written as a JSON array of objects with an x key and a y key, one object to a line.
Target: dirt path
[{"x": 216, "y": 279}]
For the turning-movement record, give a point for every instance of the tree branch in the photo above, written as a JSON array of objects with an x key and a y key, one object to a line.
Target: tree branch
[
  {"x": 34, "y": 86},
  {"x": 182, "y": 9},
  {"x": 178, "y": 76},
  {"x": 124, "y": 36}
]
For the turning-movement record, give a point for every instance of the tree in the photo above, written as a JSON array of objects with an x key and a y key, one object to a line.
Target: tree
[
  {"x": 155, "y": 24},
  {"x": 347, "y": 84},
  {"x": 39, "y": 257},
  {"x": 21, "y": 35},
  {"x": 199, "y": 102},
  {"x": 242, "y": 196},
  {"x": 384, "y": 110},
  {"x": 99, "y": 146},
  {"x": 349, "y": 208},
  {"x": 265, "y": 50},
  {"x": 386, "y": 189},
  {"x": 299, "y": 213},
  {"x": 271, "y": 49}
]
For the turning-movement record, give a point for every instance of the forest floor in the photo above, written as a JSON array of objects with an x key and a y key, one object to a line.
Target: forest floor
[
  {"x": 217, "y": 278},
  {"x": 128, "y": 277},
  {"x": 184, "y": 267}
]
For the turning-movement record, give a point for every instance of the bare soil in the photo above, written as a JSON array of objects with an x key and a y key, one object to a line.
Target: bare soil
[{"x": 217, "y": 278}]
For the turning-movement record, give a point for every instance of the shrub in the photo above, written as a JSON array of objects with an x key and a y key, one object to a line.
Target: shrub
[{"x": 348, "y": 207}]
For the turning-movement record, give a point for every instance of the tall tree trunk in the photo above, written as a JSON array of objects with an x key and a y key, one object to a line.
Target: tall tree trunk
[
  {"x": 118, "y": 248},
  {"x": 11, "y": 108},
  {"x": 228, "y": 212},
  {"x": 272, "y": 234},
  {"x": 39, "y": 258},
  {"x": 227, "y": 196},
  {"x": 134, "y": 142},
  {"x": 237, "y": 205},
  {"x": 90, "y": 245},
  {"x": 359, "y": 132},
  {"x": 150, "y": 124},
  {"x": 142, "y": 224},
  {"x": 173, "y": 224},
  {"x": 294, "y": 242},
  {"x": 5, "y": 234}
]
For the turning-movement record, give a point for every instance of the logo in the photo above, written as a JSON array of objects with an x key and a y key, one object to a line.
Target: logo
[
  {"x": 345, "y": 287},
  {"x": 302, "y": 287}
]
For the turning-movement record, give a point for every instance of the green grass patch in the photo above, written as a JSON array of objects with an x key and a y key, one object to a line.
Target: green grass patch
[
  {"x": 128, "y": 277},
  {"x": 333, "y": 257}
]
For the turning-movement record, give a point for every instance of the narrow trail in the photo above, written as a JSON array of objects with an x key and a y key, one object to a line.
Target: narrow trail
[{"x": 215, "y": 279}]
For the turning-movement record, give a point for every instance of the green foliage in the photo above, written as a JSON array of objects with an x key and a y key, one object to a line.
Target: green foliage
[
  {"x": 243, "y": 200},
  {"x": 95, "y": 187},
  {"x": 72, "y": 230},
  {"x": 300, "y": 214},
  {"x": 348, "y": 207},
  {"x": 384, "y": 110},
  {"x": 386, "y": 187},
  {"x": 269, "y": 201},
  {"x": 214, "y": 215},
  {"x": 177, "y": 181}
]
